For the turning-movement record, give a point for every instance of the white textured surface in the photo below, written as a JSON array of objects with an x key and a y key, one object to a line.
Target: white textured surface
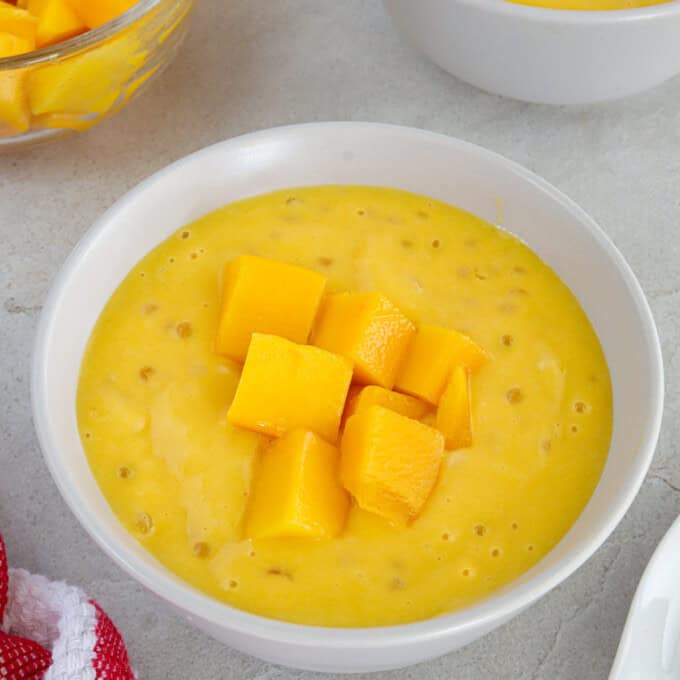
[{"x": 251, "y": 64}]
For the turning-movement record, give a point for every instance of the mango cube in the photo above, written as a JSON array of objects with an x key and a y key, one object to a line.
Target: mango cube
[
  {"x": 431, "y": 356},
  {"x": 361, "y": 398},
  {"x": 284, "y": 386},
  {"x": 297, "y": 490},
  {"x": 56, "y": 21},
  {"x": 87, "y": 83},
  {"x": 265, "y": 296},
  {"x": 17, "y": 21},
  {"x": 390, "y": 463},
  {"x": 454, "y": 418},
  {"x": 368, "y": 329},
  {"x": 97, "y": 12},
  {"x": 14, "y": 109}
]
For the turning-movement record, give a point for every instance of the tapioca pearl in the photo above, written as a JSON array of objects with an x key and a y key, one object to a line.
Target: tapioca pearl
[
  {"x": 200, "y": 549},
  {"x": 146, "y": 373},
  {"x": 280, "y": 571},
  {"x": 124, "y": 472},
  {"x": 514, "y": 395},
  {"x": 184, "y": 330},
  {"x": 582, "y": 407},
  {"x": 143, "y": 523},
  {"x": 397, "y": 583}
]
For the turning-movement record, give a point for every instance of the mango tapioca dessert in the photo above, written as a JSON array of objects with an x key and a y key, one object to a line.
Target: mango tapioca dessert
[{"x": 345, "y": 406}]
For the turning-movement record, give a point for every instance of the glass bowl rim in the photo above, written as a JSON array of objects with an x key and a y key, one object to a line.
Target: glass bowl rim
[{"x": 82, "y": 41}]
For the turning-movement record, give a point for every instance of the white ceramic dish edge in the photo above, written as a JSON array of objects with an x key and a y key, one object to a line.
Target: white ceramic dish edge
[
  {"x": 344, "y": 145},
  {"x": 546, "y": 56}
]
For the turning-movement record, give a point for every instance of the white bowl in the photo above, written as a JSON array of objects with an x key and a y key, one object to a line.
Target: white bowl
[
  {"x": 351, "y": 153},
  {"x": 545, "y": 55}
]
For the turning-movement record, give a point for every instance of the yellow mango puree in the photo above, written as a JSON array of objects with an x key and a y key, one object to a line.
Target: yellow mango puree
[
  {"x": 590, "y": 5},
  {"x": 153, "y": 398}
]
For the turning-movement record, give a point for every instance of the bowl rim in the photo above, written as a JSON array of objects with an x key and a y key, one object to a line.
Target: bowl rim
[
  {"x": 570, "y": 17},
  {"x": 80, "y": 42},
  {"x": 203, "y": 607}
]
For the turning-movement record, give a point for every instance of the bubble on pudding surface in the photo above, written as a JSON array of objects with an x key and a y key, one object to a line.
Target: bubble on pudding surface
[
  {"x": 514, "y": 526},
  {"x": 361, "y": 212},
  {"x": 144, "y": 523},
  {"x": 573, "y": 428},
  {"x": 233, "y": 584},
  {"x": 149, "y": 308},
  {"x": 530, "y": 547},
  {"x": 514, "y": 395},
  {"x": 446, "y": 536},
  {"x": 496, "y": 552},
  {"x": 546, "y": 445},
  {"x": 507, "y": 340},
  {"x": 480, "y": 530},
  {"x": 436, "y": 243},
  {"x": 325, "y": 261},
  {"x": 185, "y": 234},
  {"x": 422, "y": 214},
  {"x": 406, "y": 243},
  {"x": 467, "y": 572}
]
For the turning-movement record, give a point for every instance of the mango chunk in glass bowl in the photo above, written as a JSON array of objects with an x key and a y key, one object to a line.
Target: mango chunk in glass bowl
[{"x": 68, "y": 64}]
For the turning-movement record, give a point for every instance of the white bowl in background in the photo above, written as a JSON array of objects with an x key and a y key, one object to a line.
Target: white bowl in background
[
  {"x": 351, "y": 153},
  {"x": 543, "y": 55}
]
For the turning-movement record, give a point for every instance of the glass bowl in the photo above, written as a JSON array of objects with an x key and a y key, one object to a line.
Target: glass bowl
[{"x": 77, "y": 83}]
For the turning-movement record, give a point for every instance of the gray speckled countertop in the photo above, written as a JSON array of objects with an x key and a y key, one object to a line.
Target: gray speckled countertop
[{"x": 254, "y": 64}]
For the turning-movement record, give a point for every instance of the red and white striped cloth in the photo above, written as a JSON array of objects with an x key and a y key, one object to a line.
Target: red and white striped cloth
[{"x": 52, "y": 631}]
